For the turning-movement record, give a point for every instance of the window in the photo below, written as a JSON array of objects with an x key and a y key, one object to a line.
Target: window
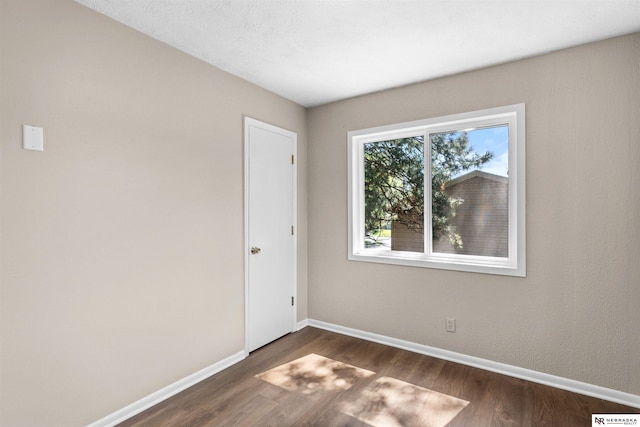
[{"x": 447, "y": 192}]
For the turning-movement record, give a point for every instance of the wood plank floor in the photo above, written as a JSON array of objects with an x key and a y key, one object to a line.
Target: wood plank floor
[{"x": 318, "y": 378}]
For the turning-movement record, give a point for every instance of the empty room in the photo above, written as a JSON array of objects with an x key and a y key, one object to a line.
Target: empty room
[{"x": 213, "y": 213}]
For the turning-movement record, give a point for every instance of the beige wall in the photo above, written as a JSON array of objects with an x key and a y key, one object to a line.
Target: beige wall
[
  {"x": 122, "y": 243},
  {"x": 577, "y": 312}
]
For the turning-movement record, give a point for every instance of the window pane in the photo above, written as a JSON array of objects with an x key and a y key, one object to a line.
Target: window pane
[
  {"x": 470, "y": 188},
  {"x": 394, "y": 195}
]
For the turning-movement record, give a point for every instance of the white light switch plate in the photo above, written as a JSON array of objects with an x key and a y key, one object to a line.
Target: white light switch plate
[{"x": 32, "y": 138}]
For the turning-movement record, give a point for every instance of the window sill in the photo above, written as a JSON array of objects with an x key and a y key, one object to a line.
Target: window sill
[{"x": 485, "y": 265}]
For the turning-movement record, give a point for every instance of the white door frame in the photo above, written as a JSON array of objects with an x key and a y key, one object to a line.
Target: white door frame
[{"x": 248, "y": 123}]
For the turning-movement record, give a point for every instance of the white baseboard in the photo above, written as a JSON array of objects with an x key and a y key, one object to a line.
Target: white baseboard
[
  {"x": 166, "y": 392},
  {"x": 488, "y": 365},
  {"x": 302, "y": 324}
]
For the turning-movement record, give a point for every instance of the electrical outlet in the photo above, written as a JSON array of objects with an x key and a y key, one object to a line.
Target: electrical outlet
[{"x": 450, "y": 325}]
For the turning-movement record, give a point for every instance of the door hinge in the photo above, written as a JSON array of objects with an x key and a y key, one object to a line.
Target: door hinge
[
  {"x": 292, "y": 300},
  {"x": 292, "y": 159},
  {"x": 292, "y": 230}
]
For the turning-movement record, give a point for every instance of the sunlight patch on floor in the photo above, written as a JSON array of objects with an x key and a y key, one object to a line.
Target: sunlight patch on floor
[
  {"x": 391, "y": 402},
  {"x": 313, "y": 373},
  {"x": 385, "y": 402}
]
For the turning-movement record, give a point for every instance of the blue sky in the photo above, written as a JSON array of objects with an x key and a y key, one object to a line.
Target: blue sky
[{"x": 494, "y": 139}]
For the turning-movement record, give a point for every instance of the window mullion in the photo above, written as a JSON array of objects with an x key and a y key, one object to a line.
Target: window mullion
[{"x": 428, "y": 197}]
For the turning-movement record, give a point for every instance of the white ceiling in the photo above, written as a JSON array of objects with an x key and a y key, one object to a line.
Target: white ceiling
[{"x": 318, "y": 51}]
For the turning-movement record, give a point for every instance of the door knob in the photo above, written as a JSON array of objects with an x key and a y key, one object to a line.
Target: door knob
[{"x": 255, "y": 250}]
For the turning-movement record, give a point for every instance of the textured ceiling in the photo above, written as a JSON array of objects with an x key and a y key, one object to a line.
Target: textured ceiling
[{"x": 318, "y": 51}]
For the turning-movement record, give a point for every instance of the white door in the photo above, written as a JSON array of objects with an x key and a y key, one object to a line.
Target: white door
[{"x": 270, "y": 242}]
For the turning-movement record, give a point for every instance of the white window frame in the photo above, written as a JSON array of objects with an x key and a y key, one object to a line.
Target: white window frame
[{"x": 515, "y": 263}]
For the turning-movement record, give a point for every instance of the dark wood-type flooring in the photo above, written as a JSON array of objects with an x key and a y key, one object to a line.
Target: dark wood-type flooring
[{"x": 432, "y": 392}]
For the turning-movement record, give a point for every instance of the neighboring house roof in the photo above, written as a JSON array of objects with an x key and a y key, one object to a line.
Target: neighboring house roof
[{"x": 479, "y": 174}]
